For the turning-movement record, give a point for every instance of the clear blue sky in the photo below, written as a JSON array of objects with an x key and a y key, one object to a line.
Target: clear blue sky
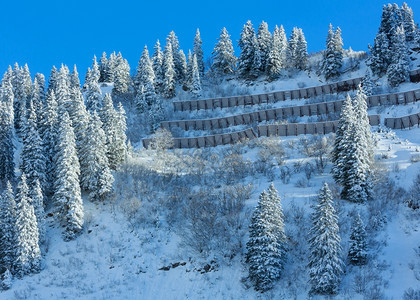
[{"x": 51, "y": 32}]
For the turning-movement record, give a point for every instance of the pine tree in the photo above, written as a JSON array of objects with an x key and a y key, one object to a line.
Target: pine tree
[
  {"x": 28, "y": 254},
  {"x": 35, "y": 97},
  {"x": 37, "y": 197},
  {"x": 198, "y": 51},
  {"x": 96, "y": 178},
  {"x": 67, "y": 197},
  {"x": 52, "y": 80},
  {"x": 266, "y": 248},
  {"x": 156, "y": 115},
  {"x": 398, "y": 70},
  {"x": 408, "y": 22},
  {"x": 120, "y": 144},
  {"x": 224, "y": 59},
  {"x": 7, "y": 165},
  {"x": 40, "y": 78},
  {"x": 196, "y": 82},
  {"x": 48, "y": 132},
  {"x": 367, "y": 82},
  {"x": 264, "y": 44},
  {"x": 62, "y": 90},
  {"x": 145, "y": 71},
  {"x": 93, "y": 91},
  {"x": 168, "y": 87},
  {"x": 122, "y": 78},
  {"x": 380, "y": 57},
  {"x": 103, "y": 67},
  {"x": 22, "y": 89},
  {"x": 157, "y": 60},
  {"x": 277, "y": 55},
  {"x": 182, "y": 66},
  {"x": 358, "y": 246},
  {"x": 297, "y": 52},
  {"x": 325, "y": 262},
  {"x": 74, "y": 79},
  {"x": 109, "y": 68},
  {"x": 178, "y": 61},
  {"x": 7, "y": 228},
  {"x": 333, "y": 55},
  {"x": 249, "y": 62},
  {"x": 111, "y": 125},
  {"x": 33, "y": 159},
  {"x": 189, "y": 76}
]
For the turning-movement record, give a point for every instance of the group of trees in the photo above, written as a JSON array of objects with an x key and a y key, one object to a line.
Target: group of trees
[
  {"x": 397, "y": 34},
  {"x": 267, "y": 246},
  {"x": 70, "y": 142},
  {"x": 266, "y": 53}
]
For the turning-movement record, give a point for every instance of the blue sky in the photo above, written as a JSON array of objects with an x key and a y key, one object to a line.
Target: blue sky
[{"x": 46, "y": 33}]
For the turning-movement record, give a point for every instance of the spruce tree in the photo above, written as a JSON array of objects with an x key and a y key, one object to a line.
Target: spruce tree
[
  {"x": 198, "y": 52},
  {"x": 380, "y": 57},
  {"x": 96, "y": 178},
  {"x": 122, "y": 78},
  {"x": 74, "y": 79},
  {"x": 52, "y": 80},
  {"x": 333, "y": 55},
  {"x": 7, "y": 228},
  {"x": 196, "y": 82},
  {"x": 156, "y": 115},
  {"x": 399, "y": 69},
  {"x": 7, "y": 165},
  {"x": 35, "y": 97},
  {"x": 145, "y": 71},
  {"x": 266, "y": 248},
  {"x": 157, "y": 62},
  {"x": 367, "y": 83},
  {"x": 67, "y": 197},
  {"x": 224, "y": 59},
  {"x": 189, "y": 76},
  {"x": 109, "y": 69},
  {"x": 358, "y": 245},
  {"x": 168, "y": 87},
  {"x": 264, "y": 44},
  {"x": 40, "y": 78},
  {"x": 103, "y": 67},
  {"x": 37, "y": 197},
  {"x": 28, "y": 254},
  {"x": 408, "y": 22},
  {"x": 62, "y": 91},
  {"x": 93, "y": 92},
  {"x": 325, "y": 262},
  {"x": 32, "y": 156},
  {"x": 249, "y": 62},
  {"x": 277, "y": 55},
  {"x": 178, "y": 60}
]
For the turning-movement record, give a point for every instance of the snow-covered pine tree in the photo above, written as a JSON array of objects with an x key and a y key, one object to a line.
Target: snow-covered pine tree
[
  {"x": 22, "y": 92},
  {"x": 408, "y": 22},
  {"x": 380, "y": 56},
  {"x": 7, "y": 165},
  {"x": 325, "y": 261},
  {"x": 35, "y": 97},
  {"x": 37, "y": 197},
  {"x": 182, "y": 65},
  {"x": 156, "y": 115},
  {"x": 297, "y": 52},
  {"x": 32, "y": 156},
  {"x": 109, "y": 69},
  {"x": 264, "y": 44},
  {"x": 28, "y": 254},
  {"x": 358, "y": 243},
  {"x": 176, "y": 56},
  {"x": 189, "y": 75},
  {"x": 40, "y": 78},
  {"x": 96, "y": 178},
  {"x": 224, "y": 59},
  {"x": 52, "y": 80},
  {"x": 74, "y": 79},
  {"x": 48, "y": 131},
  {"x": 103, "y": 65},
  {"x": 333, "y": 56},
  {"x": 168, "y": 87},
  {"x": 399, "y": 69},
  {"x": 157, "y": 62},
  {"x": 277, "y": 55},
  {"x": 120, "y": 144},
  {"x": 62, "y": 91},
  {"x": 67, "y": 197},
  {"x": 93, "y": 92},
  {"x": 266, "y": 248},
  {"x": 7, "y": 228},
  {"x": 196, "y": 82},
  {"x": 198, "y": 51},
  {"x": 145, "y": 71},
  {"x": 111, "y": 124},
  {"x": 122, "y": 78},
  {"x": 249, "y": 62}
]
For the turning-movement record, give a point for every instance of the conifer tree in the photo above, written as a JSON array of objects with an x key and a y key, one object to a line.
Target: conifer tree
[
  {"x": 168, "y": 88},
  {"x": 333, "y": 55},
  {"x": 96, "y": 178},
  {"x": 120, "y": 144},
  {"x": 40, "y": 78},
  {"x": 189, "y": 76},
  {"x": 367, "y": 83},
  {"x": 178, "y": 60},
  {"x": 103, "y": 67},
  {"x": 122, "y": 78},
  {"x": 28, "y": 254},
  {"x": 264, "y": 44},
  {"x": 266, "y": 248},
  {"x": 196, "y": 82},
  {"x": 358, "y": 246},
  {"x": 198, "y": 51},
  {"x": 48, "y": 131},
  {"x": 52, "y": 80},
  {"x": 33, "y": 159},
  {"x": 74, "y": 79},
  {"x": 156, "y": 115},
  {"x": 62, "y": 91},
  {"x": 408, "y": 22},
  {"x": 145, "y": 71},
  {"x": 7, "y": 165},
  {"x": 224, "y": 59},
  {"x": 35, "y": 97},
  {"x": 93, "y": 91},
  {"x": 399, "y": 69},
  {"x": 157, "y": 62},
  {"x": 249, "y": 62},
  {"x": 7, "y": 228},
  {"x": 182, "y": 66},
  {"x": 297, "y": 52},
  {"x": 380, "y": 57},
  {"x": 325, "y": 262},
  {"x": 109, "y": 69},
  {"x": 67, "y": 197},
  {"x": 277, "y": 55}
]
